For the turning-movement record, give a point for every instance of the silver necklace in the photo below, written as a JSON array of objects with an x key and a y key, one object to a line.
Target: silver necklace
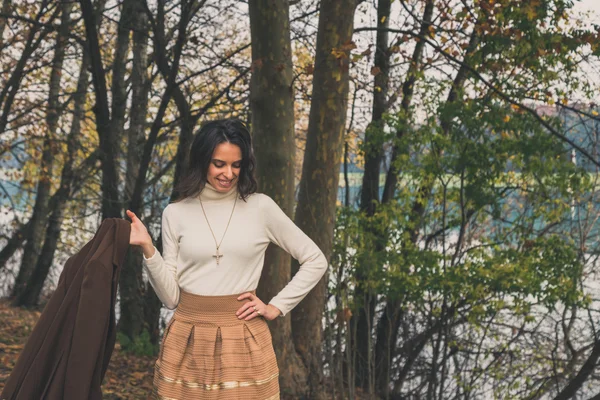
[{"x": 218, "y": 255}]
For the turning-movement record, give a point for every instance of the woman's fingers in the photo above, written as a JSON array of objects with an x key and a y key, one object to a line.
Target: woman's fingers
[
  {"x": 135, "y": 221},
  {"x": 250, "y": 309},
  {"x": 247, "y": 304},
  {"x": 244, "y": 308},
  {"x": 247, "y": 295},
  {"x": 251, "y": 316},
  {"x": 251, "y": 312},
  {"x": 246, "y": 313},
  {"x": 138, "y": 230}
]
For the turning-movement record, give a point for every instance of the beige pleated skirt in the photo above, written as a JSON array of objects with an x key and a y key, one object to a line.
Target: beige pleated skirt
[{"x": 208, "y": 353}]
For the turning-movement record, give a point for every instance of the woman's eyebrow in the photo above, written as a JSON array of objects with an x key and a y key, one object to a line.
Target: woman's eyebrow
[{"x": 216, "y": 159}]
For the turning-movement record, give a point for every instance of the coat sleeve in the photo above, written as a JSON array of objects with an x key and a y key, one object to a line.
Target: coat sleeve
[
  {"x": 90, "y": 328},
  {"x": 162, "y": 268},
  {"x": 282, "y": 231}
]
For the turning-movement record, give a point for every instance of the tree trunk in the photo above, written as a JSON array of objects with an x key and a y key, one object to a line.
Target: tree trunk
[
  {"x": 39, "y": 219},
  {"x": 14, "y": 243},
  {"x": 140, "y": 91},
  {"x": 118, "y": 85},
  {"x": 18, "y": 237},
  {"x": 71, "y": 182},
  {"x": 385, "y": 345},
  {"x": 408, "y": 89},
  {"x": 587, "y": 369},
  {"x": 139, "y": 96},
  {"x": 111, "y": 205},
  {"x": 316, "y": 210},
  {"x": 169, "y": 73},
  {"x": 387, "y": 330},
  {"x": 131, "y": 284},
  {"x": 63, "y": 194},
  {"x": 6, "y": 6},
  {"x": 373, "y": 146},
  {"x": 272, "y": 111},
  {"x": 373, "y": 143}
]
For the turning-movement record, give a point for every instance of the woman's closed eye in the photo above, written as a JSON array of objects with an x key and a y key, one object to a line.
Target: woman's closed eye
[{"x": 221, "y": 165}]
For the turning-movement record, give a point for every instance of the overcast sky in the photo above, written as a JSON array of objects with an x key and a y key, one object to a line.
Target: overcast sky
[{"x": 593, "y": 5}]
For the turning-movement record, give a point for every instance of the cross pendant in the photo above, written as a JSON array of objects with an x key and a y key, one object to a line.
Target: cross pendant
[{"x": 218, "y": 256}]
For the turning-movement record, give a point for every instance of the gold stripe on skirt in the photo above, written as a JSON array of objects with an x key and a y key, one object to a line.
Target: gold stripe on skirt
[{"x": 208, "y": 353}]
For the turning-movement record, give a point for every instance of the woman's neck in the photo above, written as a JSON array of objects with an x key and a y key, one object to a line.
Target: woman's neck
[{"x": 210, "y": 193}]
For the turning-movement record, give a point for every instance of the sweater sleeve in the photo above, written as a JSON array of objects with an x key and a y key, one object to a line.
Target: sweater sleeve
[
  {"x": 162, "y": 268},
  {"x": 282, "y": 231}
]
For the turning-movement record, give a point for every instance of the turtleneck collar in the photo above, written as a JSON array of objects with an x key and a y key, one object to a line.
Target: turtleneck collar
[{"x": 210, "y": 193}]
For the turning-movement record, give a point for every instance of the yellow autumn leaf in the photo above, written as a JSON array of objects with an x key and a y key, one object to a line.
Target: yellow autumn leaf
[
  {"x": 531, "y": 13},
  {"x": 431, "y": 30},
  {"x": 506, "y": 118},
  {"x": 138, "y": 375}
]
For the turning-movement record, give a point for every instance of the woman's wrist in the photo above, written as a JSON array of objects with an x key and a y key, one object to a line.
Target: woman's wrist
[
  {"x": 148, "y": 250},
  {"x": 276, "y": 311}
]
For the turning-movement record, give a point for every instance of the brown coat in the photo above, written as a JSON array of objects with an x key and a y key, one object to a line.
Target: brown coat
[{"x": 68, "y": 351}]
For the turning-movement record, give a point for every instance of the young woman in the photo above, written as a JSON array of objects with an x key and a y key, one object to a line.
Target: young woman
[{"x": 218, "y": 344}]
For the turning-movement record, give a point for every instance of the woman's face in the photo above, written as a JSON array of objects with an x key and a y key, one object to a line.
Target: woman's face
[{"x": 224, "y": 168}]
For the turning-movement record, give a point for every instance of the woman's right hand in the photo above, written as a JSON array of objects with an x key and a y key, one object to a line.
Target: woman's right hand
[{"x": 139, "y": 235}]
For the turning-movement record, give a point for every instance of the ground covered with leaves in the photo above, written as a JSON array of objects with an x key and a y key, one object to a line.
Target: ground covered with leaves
[{"x": 128, "y": 376}]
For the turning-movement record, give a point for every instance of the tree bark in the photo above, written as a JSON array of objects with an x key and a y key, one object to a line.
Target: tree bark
[
  {"x": 373, "y": 148},
  {"x": 389, "y": 324},
  {"x": 408, "y": 89},
  {"x": 39, "y": 219},
  {"x": 111, "y": 205},
  {"x": 373, "y": 143},
  {"x": 132, "y": 287},
  {"x": 316, "y": 209},
  {"x": 272, "y": 111},
  {"x": 18, "y": 237},
  {"x": 14, "y": 243},
  {"x": 579, "y": 379},
  {"x": 70, "y": 182},
  {"x": 6, "y": 6},
  {"x": 169, "y": 73},
  {"x": 119, "y": 67},
  {"x": 366, "y": 313},
  {"x": 63, "y": 194}
]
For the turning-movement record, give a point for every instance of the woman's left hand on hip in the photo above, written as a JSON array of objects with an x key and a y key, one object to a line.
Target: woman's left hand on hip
[{"x": 256, "y": 308}]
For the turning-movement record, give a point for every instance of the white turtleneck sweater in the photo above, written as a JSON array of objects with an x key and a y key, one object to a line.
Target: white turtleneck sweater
[{"x": 187, "y": 261}]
